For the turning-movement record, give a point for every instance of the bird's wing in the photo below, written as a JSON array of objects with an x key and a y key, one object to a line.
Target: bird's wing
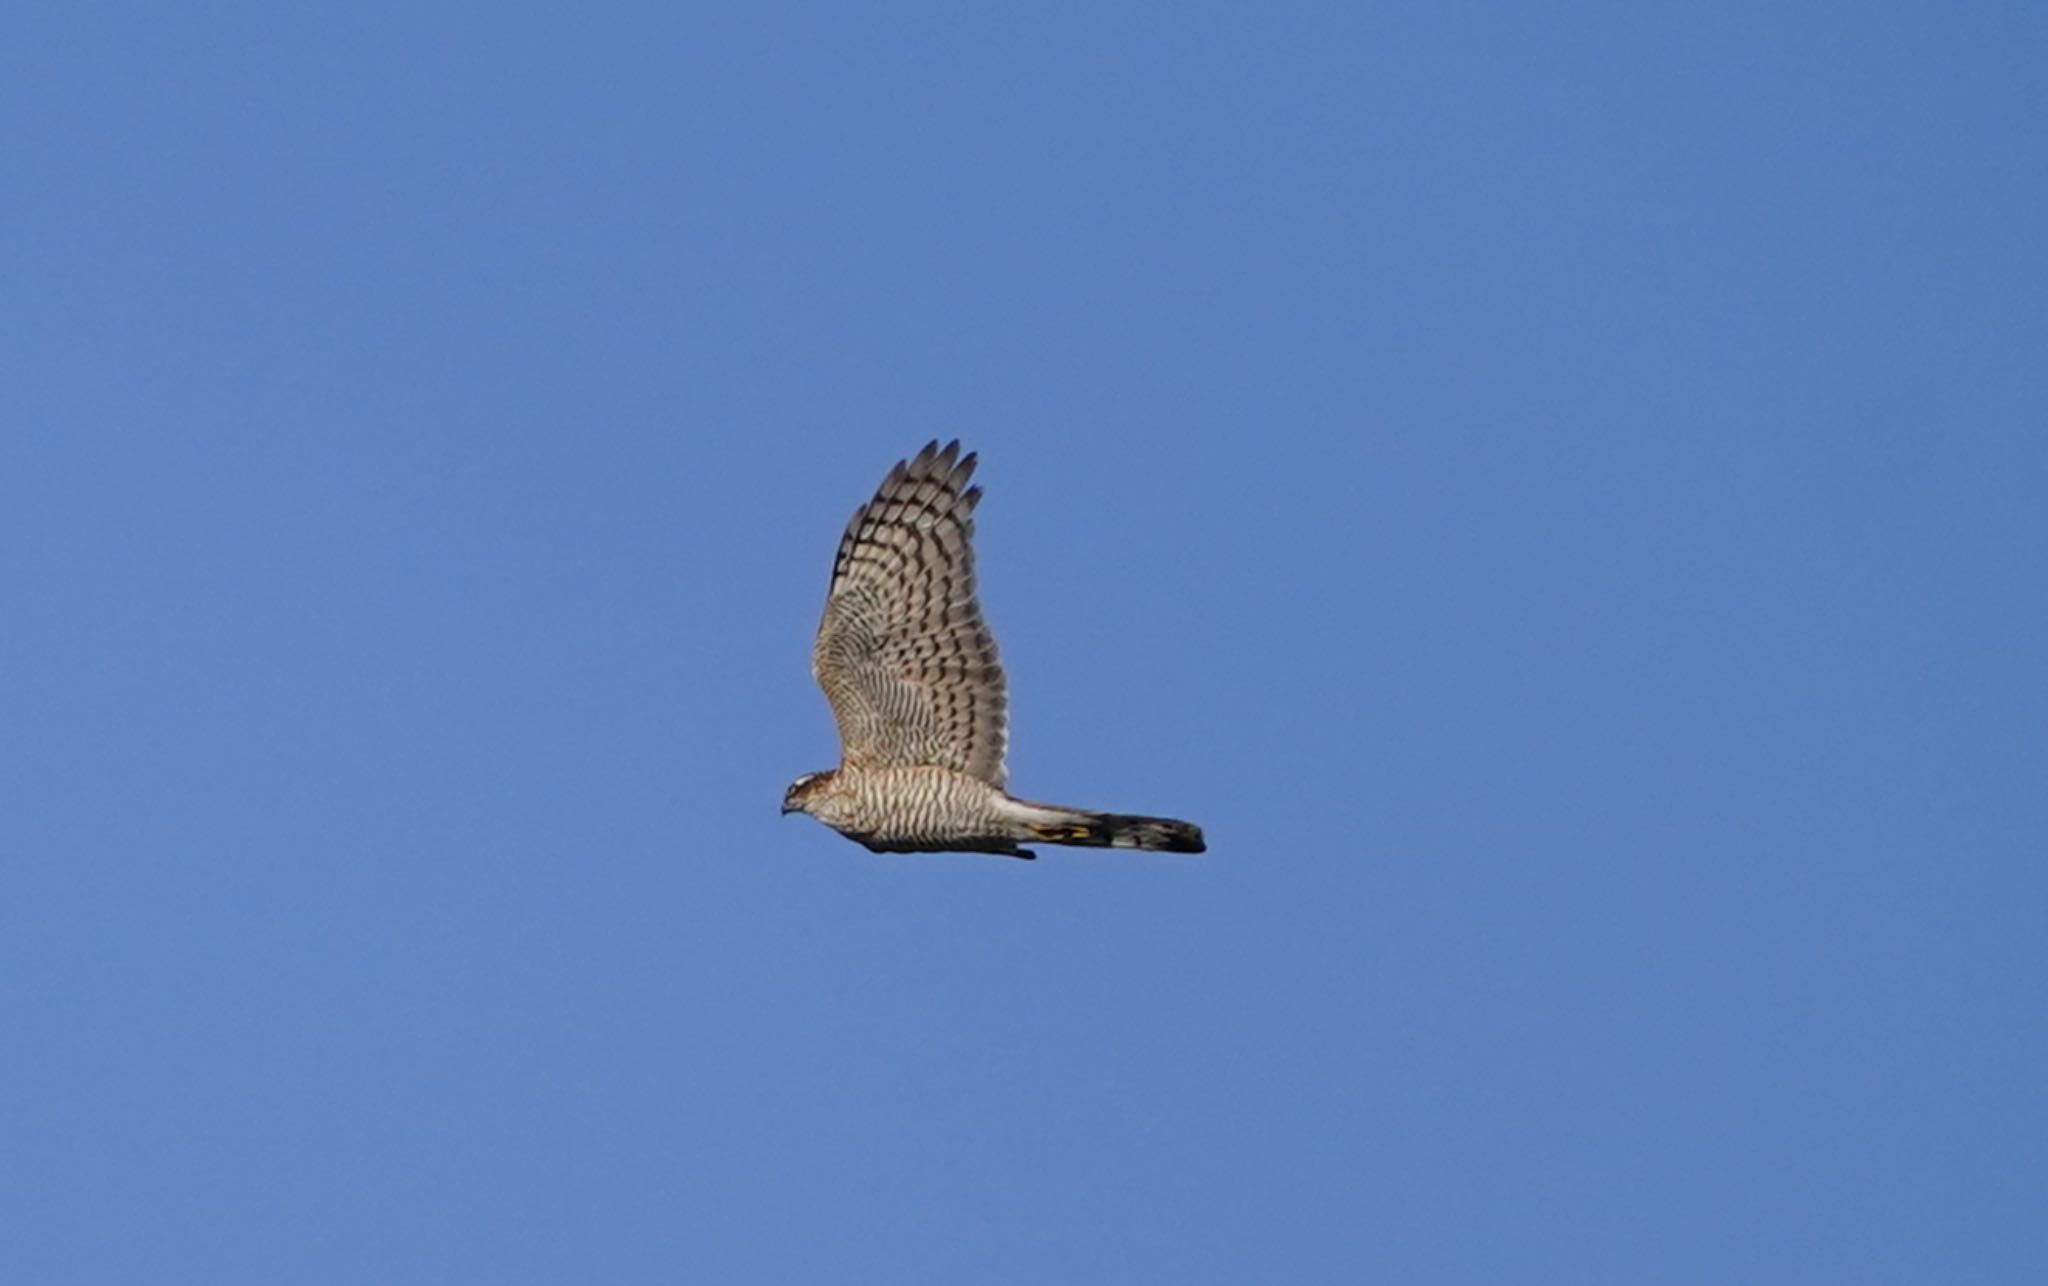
[{"x": 903, "y": 654}]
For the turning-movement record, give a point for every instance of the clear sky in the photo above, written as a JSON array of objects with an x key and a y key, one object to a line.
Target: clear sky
[{"x": 1559, "y": 492}]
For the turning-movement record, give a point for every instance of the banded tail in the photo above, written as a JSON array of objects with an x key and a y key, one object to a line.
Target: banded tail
[{"x": 1117, "y": 830}]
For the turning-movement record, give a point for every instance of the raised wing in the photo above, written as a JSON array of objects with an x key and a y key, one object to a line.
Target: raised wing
[{"x": 903, "y": 654}]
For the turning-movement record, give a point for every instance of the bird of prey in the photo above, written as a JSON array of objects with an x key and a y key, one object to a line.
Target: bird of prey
[{"x": 918, "y": 694}]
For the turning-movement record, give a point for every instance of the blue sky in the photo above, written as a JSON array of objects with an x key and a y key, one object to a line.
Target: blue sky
[{"x": 1557, "y": 493}]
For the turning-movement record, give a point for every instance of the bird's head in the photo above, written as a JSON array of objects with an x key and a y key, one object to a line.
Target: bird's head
[{"x": 797, "y": 798}]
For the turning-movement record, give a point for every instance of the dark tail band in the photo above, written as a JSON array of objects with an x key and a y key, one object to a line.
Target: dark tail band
[{"x": 1124, "y": 830}]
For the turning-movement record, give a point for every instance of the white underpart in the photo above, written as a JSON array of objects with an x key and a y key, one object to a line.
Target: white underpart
[{"x": 1025, "y": 813}]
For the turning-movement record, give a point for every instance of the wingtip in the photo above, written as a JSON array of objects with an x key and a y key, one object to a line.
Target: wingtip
[{"x": 940, "y": 463}]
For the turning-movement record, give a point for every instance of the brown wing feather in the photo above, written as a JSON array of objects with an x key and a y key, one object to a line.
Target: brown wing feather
[{"x": 903, "y": 654}]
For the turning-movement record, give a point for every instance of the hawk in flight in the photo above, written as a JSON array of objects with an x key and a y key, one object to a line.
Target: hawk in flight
[{"x": 912, "y": 675}]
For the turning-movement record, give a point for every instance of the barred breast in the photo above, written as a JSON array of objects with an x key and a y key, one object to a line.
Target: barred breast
[{"x": 912, "y": 807}]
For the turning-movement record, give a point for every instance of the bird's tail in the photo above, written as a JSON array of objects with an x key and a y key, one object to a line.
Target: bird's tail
[{"x": 1049, "y": 825}]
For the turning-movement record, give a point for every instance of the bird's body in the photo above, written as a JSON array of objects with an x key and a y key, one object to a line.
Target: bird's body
[
  {"x": 914, "y": 808},
  {"x": 915, "y": 685}
]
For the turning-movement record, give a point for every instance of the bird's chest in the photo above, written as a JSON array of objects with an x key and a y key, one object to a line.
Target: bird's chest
[{"x": 881, "y": 806}]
